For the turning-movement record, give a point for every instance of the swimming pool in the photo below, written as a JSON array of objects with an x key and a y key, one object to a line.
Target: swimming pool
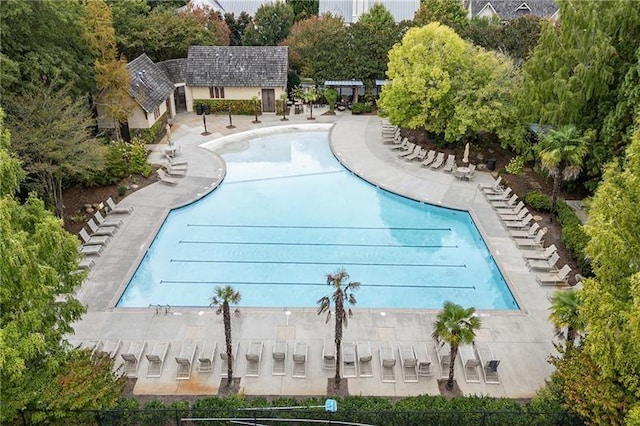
[{"x": 288, "y": 213}]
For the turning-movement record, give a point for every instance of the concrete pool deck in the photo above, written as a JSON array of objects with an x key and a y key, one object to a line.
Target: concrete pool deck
[{"x": 521, "y": 340}]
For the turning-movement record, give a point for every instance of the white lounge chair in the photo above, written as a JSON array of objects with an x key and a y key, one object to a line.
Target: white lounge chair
[
  {"x": 425, "y": 367},
  {"x": 526, "y": 233},
  {"x": 132, "y": 357},
  {"x": 511, "y": 216},
  {"x": 349, "y": 365},
  {"x": 416, "y": 154},
  {"x": 489, "y": 365},
  {"x": 207, "y": 357},
  {"x": 107, "y": 348},
  {"x": 496, "y": 187},
  {"x": 518, "y": 224},
  {"x": 184, "y": 361},
  {"x": 101, "y": 230},
  {"x": 541, "y": 254},
  {"x": 405, "y": 144},
  {"x": 470, "y": 363},
  {"x": 409, "y": 363},
  {"x": 472, "y": 172},
  {"x": 173, "y": 162},
  {"x": 444, "y": 358},
  {"x": 365, "y": 359},
  {"x": 254, "y": 358},
  {"x": 164, "y": 178},
  {"x": 502, "y": 196},
  {"x": 438, "y": 161},
  {"x": 102, "y": 221},
  {"x": 175, "y": 172},
  {"x": 156, "y": 359},
  {"x": 85, "y": 264},
  {"x": 388, "y": 364},
  {"x": 91, "y": 250},
  {"x": 411, "y": 148},
  {"x": 112, "y": 208},
  {"x": 224, "y": 365},
  {"x": 300, "y": 352},
  {"x": 511, "y": 210},
  {"x": 502, "y": 204},
  {"x": 546, "y": 265},
  {"x": 449, "y": 164},
  {"x": 431, "y": 155},
  {"x": 279, "y": 358},
  {"x": 555, "y": 278},
  {"x": 329, "y": 355},
  {"x": 530, "y": 242},
  {"x": 88, "y": 240}
]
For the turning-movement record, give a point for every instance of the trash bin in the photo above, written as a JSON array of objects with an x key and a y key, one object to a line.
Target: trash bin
[{"x": 491, "y": 164}]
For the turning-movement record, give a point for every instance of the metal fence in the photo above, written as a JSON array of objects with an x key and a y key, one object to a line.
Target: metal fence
[{"x": 298, "y": 416}]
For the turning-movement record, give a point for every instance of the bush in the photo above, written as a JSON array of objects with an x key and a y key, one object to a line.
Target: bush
[
  {"x": 359, "y": 108},
  {"x": 122, "y": 190},
  {"x": 538, "y": 201},
  {"x": 515, "y": 166},
  {"x": 221, "y": 106},
  {"x": 573, "y": 236},
  {"x": 124, "y": 159}
]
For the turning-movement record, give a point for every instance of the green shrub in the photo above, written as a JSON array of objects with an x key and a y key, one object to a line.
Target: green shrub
[
  {"x": 515, "y": 166},
  {"x": 359, "y": 108},
  {"x": 122, "y": 190},
  {"x": 573, "y": 236},
  {"x": 538, "y": 201},
  {"x": 124, "y": 159},
  {"x": 152, "y": 134},
  {"x": 221, "y": 106}
]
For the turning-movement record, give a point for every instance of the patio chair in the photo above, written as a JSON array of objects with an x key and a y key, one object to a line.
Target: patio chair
[
  {"x": 555, "y": 278},
  {"x": 414, "y": 148},
  {"x": 207, "y": 357},
  {"x": 470, "y": 363},
  {"x": 489, "y": 365},
  {"x": 472, "y": 172},
  {"x": 156, "y": 359},
  {"x": 164, "y": 178},
  {"x": 173, "y": 162},
  {"x": 495, "y": 187},
  {"x": 224, "y": 365},
  {"x": 85, "y": 264},
  {"x": 175, "y": 172},
  {"x": 420, "y": 153},
  {"x": 300, "y": 352},
  {"x": 388, "y": 364},
  {"x": 365, "y": 359},
  {"x": 409, "y": 363},
  {"x": 518, "y": 224},
  {"x": 438, "y": 161},
  {"x": 91, "y": 250},
  {"x": 541, "y": 254},
  {"x": 431, "y": 155},
  {"x": 546, "y": 265},
  {"x": 503, "y": 196},
  {"x": 444, "y": 358},
  {"x": 514, "y": 217},
  {"x": 107, "y": 348},
  {"x": 329, "y": 355},
  {"x": 279, "y": 358},
  {"x": 526, "y": 233},
  {"x": 132, "y": 357},
  {"x": 101, "y": 230},
  {"x": 88, "y": 240},
  {"x": 531, "y": 242},
  {"x": 405, "y": 144},
  {"x": 511, "y": 210},
  {"x": 449, "y": 164},
  {"x": 254, "y": 358},
  {"x": 102, "y": 221},
  {"x": 502, "y": 204},
  {"x": 184, "y": 361},
  {"x": 112, "y": 208},
  {"x": 425, "y": 367},
  {"x": 349, "y": 365}
]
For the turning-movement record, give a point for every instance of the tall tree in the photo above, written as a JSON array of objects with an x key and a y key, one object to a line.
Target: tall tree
[
  {"x": 448, "y": 12},
  {"x": 445, "y": 85},
  {"x": 317, "y": 48},
  {"x": 223, "y": 298},
  {"x": 456, "y": 326},
  {"x": 303, "y": 9},
  {"x": 270, "y": 25},
  {"x": 342, "y": 294},
  {"x": 112, "y": 77},
  {"x": 565, "y": 313},
  {"x": 52, "y": 135},
  {"x": 371, "y": 38},
  {"x": 237, "y": 27},
  {"x": 562, "y": 153}
]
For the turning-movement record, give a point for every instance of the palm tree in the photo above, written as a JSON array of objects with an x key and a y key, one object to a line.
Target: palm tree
[
  {"x": 225, "y": 296},
  {"x": 562, "y": 153},
  {"x": 456, "y": 326},
  {"x": 565, "y": 313},
  {"x": 341, "y": 293}
]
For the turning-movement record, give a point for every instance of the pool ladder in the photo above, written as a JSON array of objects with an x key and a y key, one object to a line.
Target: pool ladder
[{"x": 159, "y": 308}]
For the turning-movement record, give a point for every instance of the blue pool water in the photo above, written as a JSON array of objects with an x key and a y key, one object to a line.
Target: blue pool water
[{"x": 288, "y": 213}]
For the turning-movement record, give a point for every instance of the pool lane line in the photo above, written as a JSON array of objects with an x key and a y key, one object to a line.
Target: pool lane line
[
  {"x": 471, "y": 287},
  {"x": 312, "y": 244},
  {"x": 265, "y": 262},
  {"x": 369, "y": 228}
]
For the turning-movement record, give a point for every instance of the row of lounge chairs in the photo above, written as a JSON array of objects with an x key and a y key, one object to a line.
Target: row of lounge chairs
[
  {"x": 100, "y": 229},
  {"x": 517, "y": 219},
  {"x": 477, "y": 361},
  {"x": 172, "y": 169}
]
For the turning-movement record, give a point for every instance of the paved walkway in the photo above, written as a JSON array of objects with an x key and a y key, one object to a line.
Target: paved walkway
[{"x": 521, "y": 340}]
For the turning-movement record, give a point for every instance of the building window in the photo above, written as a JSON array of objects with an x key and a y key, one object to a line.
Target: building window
[
  {"x": 216, "y": 92},
  {"x": 156, "y": 114}
]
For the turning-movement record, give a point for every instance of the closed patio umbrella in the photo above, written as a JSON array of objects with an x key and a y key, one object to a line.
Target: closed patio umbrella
[{"x": 465, "y": 158}]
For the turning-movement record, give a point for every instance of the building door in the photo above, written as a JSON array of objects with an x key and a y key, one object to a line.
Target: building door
[
  {"x": 268, "y": 100},
  {"x": 181, "y": 100},
  {"x": 124, "y": 131}
]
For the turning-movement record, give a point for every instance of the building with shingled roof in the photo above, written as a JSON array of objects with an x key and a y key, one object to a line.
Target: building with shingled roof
[{"x": 508, "y": 10}]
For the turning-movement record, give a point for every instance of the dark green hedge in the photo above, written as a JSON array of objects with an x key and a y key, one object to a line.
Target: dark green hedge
[
  {"x": 152, "y": 134},
  {"x": 538, "y": 201},
  {"x": 573, "y": 236},
  {"x": 238, "y": 107}
]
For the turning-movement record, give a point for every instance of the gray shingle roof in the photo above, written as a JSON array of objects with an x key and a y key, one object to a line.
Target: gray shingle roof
[
  {"x": 150, "y": 86},
  {"x": 237, "y": 66},
  {"x": 175, "y": 69},
  {"x": 508, "y": 10}
]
